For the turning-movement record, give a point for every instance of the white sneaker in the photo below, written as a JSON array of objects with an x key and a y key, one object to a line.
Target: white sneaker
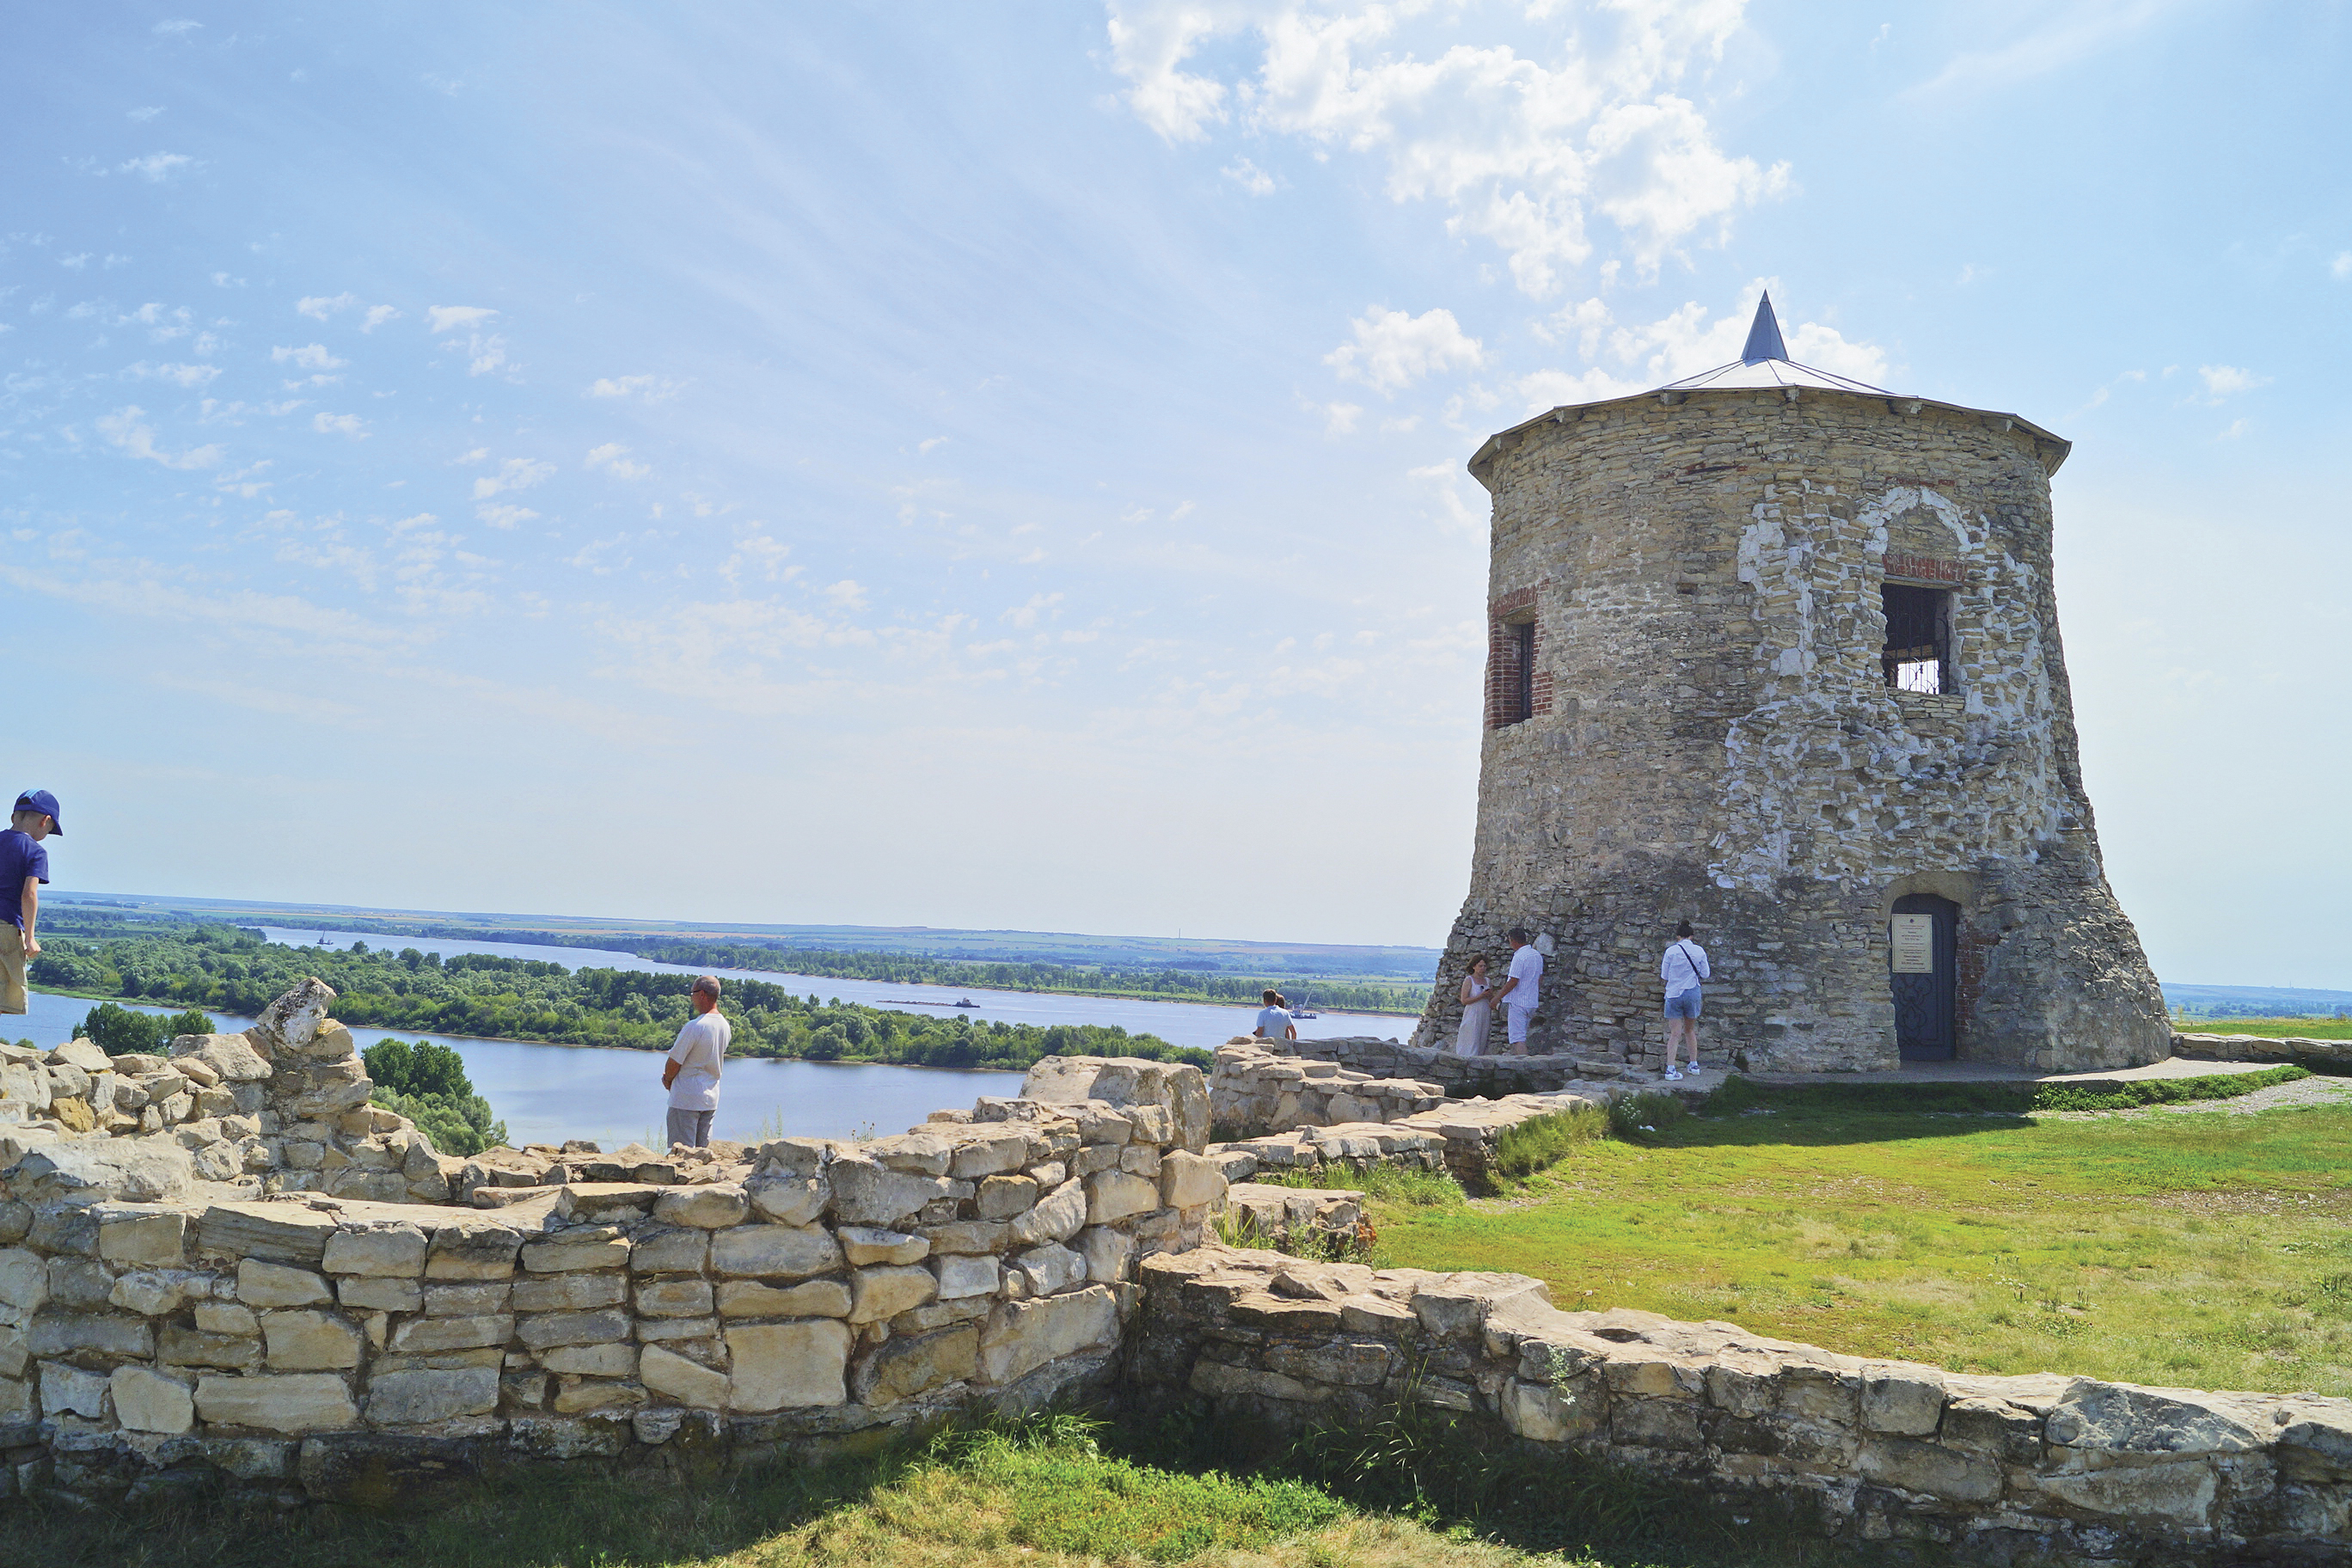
[{"x": 1672, "y": 1077}]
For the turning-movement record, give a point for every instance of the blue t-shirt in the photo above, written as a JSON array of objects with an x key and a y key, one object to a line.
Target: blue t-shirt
[{"x": 21, "y": 855}]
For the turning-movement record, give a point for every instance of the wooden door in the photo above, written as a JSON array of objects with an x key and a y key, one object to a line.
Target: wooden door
[{"x": 1924, "y": 964}]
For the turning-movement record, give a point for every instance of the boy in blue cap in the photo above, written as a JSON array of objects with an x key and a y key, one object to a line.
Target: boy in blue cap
[{"x": 24, "y": 866}]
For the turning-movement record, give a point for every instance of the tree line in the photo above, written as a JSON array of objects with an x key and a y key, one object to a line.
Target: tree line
[{"x": 226, "y": 969}]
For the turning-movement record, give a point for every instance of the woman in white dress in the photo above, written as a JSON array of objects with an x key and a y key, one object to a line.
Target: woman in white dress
[{"x": 1477, "y": 1004}]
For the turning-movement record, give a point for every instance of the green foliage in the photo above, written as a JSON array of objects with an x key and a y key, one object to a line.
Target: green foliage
[
  {"x": 497, "y": 997},
  {"x": 1739, "y": 1095},
  {"x": 427, "y": 1083},
  {"x": 122, "y": 1031},
  {"x": 1543, "y": 1142},
  {"x": 1636, "y": 1117},
  {"x": 1394, "y": 1184}
]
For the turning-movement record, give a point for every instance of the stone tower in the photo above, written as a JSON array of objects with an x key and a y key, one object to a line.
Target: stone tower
[{"x": 1777, "y": 652}]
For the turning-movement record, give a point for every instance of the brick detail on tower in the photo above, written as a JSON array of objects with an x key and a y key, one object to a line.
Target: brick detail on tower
[{"x": 1514, "y": 691}]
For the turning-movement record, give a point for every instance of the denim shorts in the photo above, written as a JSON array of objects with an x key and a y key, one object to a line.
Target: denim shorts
[{"x": 1684, "y": 1005}]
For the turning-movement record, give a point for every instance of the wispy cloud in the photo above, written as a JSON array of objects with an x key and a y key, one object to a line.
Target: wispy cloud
[
  {"x": 1392, "y": 350},
  {"x": 1249, "y": 177},
  {"x": 188, "y": 376},
  {"x": 447, "y": 318},
  {"x": 128, "y": 429},
  {"x": 309, "y": 356},
  {"x": 649, "y": 388},
  {"x": 2066, "y": 34},
  {"x": 514, "y": 474},
  {"x": 157, "y": 167},
  {"x": 612, "y": 457},
  {"x": 2227, "y": 380},
  {"x": 319, "y": 307},
  {"x": 350, "y": 425}
]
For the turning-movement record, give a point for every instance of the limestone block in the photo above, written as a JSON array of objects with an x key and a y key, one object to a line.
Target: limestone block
[
  {"x": 907, "y": 1365},
  {"x": 275, "y": 1233},
  {"x": 146, "y": 1400},
  {"x": 1347, "y": 1364},
  {"x": 127, "y": 1170},
  {"x": 19, "y": 1401},
  {"x": 277, "y": 1402},
  {"x": 689, "y": 1382},
  {"x": 293, "y": 1020},
  {"x": 473, "y": 1249},
  {"x": 788, "y": 1366},
  {"x": 669, "y": 1330},
  {"x": 1049, "y": 1175},
  {"x": 477, "y": 1299},
  {"x": 680, "y": 1251},
  {"x": 181, "y": 1346},
  {"x": 153, "y": 1293},
  {"x": 1022, "y": 1336},
  {"x": 1140, "y": 1160},
  {"x": 1116, "y": 1194},
  {"x": 375, "y": 1293},
  {"x": 56, "y": 1333},
  {"x": 917, "y": 1154},
  {"x": 592, "y": 1361},
  {"x": 988, "y": 1154},
  {"x": 867, "y": 1244},
  {"x": 1059, "y": 1216},
  {"x": 883, "y": 1292},
  {"x": 867, "y": 1191},
  {"x": 2181, "y": 1491},
  {"x": 564, "y": 1255},
  {"x": 1001, "y": 1197},
  {"x": 777, "y": 1251},
  {"x": 391, "y": 1250},
  {"x": 973, "y": 1235},
  {"x": 1096, "y": 1157},
  {"x": 1654, "y": 1423},
  {"x": 142, "y": 1236},
  {"x": 795, "y": 1156},
  {"x": 413, "y": 1398},
  {"x": 960, "y": 1275},
  {"x": 550, "y": 1328},
  {"x": 261, "y": 1284},
  {"x": 1904, "y": 1404},
  {"x": 574, "y": 1398},
  {"x": 789, "y": 1199},
  {"x": 1100, "y": 1123},
  {"x": 309, "y": 1342},
  {"x": 231, "y": 1059},
  {"x": 1545, "y": 1413},
  {"x": 2117, "y": 1418},
  {"x": 15, "y": 1218},
  {"x": 567, "y": 1292},
  {"x": 16, "y": 1354},
  {"x": 813, "y": 1299},
  {"x": 1214, "y": 1379},
  {"x": 430, "y": 1335},
  {"x": 1188, "y": 1181},
  {"x": 710, "y": 1207},
  {"x": 1127, "y": 1082},
  {"x": 1109, "y": 1254},
  {"x": 674, "y": 1299},
  {"x": 1928, "y": 1468},
  {"x": 24, "y": 1280},
  {"x": 66, "y": 1388}
]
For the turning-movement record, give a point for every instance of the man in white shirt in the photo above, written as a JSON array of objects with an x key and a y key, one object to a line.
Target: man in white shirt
[
  {"x": 691, "y": 1073},
  {"x": 1682, "y": 968},
  {"x": 1274, "y": 1019},
  {"x": 1519, "y": 993}
]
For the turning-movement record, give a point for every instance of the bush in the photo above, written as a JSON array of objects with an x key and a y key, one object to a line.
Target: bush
[
  {"x": 121, "y": 1032},
  {"x": 427, "y": 1083}
]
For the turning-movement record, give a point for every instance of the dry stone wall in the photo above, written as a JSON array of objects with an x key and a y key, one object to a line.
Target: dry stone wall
[
  {"x": 1705, "y": 572},
  {"x": 2041, "y": 1469},
  {"x": 160, "y": 1330}
]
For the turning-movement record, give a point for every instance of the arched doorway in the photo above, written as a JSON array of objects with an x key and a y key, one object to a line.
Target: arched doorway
[{"x": 1924, "y": 964}]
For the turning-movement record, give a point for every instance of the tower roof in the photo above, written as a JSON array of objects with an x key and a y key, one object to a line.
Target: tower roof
[{"x": 1765, "y": 362}]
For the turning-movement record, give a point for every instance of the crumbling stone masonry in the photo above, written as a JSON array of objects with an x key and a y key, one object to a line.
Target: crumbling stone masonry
[{"x": 1707, "y": 582}]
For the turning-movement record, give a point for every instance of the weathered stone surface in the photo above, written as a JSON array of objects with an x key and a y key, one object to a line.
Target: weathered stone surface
[
  {"x": 563, "y": 1254},
  {"x": 230, "y": 1057},
  {"x": 883, "y": 1292},
  {"x": 261, "y": 1284},
  {"x": 567, "y": 1292},
  {"x": 868, "y": 1191},
  {"x": 963, "y": 1275},
  {"x": 866, "y": 1245},
  {"x": 775, "y": 1251},
  {"x": 788, "y": 1366},
  {"x": 142, "y": 1235},
  {"x": 473, "y": 1249},
  {"x": 389, "y": 1250},
  {"x": 1188, "y": 1181},
  {"x": 988, "y": 1155},
  {"x": 277, "y": 1402},
  {"x": 309, "y": 1342},
  {"x": 813, "y": 1299},
  {"x": 679, "y": 1251},
  {"x": 1109, "y": 1254},
  {"x": 291, "y": 1023},
  {"x": 907, "y": 1365},
  {"x": 146, "y": 1400},
  {"x": 1050, "y": 1267},
  {"x": 179, "y": 1345},
  {"x": 127, "y": 1170},
  {"x": 1001, "y": 1197},
  {"x": 706, "y": 1208},
  {"x": 24, "y": 1280},
  {"x": 1059, "y": 1216},
  {"x": 544, "y": 1329},
  {"x": 425, "y": 1396},
  {"x": 2118, "y": 1418},
  {"x": 592, "y": 1361},
  {"x": 1116, "y": 1194},
  {"x": 789, "y": 1199},
  {"x": 473, "y": 1299},
  {"x": 57, "y": 1333},
  {"x": 674, "y": 1299},
  {"x": 425, "y": 1334},
  {"x": 1178, "y": 1090},
  {"x": 575, "y": 1398},
  {"x": 375, "y": 1293},
  {"x": 1902, "y": 1403},
  {"x": 1926, "y": 1467},
  {"x": 67, "y": 1389},
  {"x": 1022, "y": 1336},
  {"x": 689, "y": 1382},
  {"x": 275, "y": 1233}
]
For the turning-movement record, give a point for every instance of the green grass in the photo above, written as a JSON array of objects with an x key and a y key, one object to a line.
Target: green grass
[
  {"x": 1392, "y": 1183},
  {"x": 2205, "y": 1250},
  {"x": 1046, "y": 1493},
  {"x": 2307, "y": 1028},
  {"x": 1740, "y": 1094},
  {"x": 1543, "y": 1142}
]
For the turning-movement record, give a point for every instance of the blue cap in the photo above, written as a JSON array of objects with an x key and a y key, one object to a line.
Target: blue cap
[{"x": 42, "y": 801}]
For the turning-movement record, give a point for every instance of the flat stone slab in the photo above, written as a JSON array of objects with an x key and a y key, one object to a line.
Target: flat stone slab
[{"x": 2001, "y": 1072}]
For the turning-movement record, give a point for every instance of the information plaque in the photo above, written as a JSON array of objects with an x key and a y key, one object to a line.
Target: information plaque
[{"x": 1915, "y": 944}]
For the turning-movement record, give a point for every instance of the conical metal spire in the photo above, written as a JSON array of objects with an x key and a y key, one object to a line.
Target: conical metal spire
[{"x": 1764, "y": 338}]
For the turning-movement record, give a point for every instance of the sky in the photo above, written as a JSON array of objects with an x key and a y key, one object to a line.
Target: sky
[{"x": 1002, "y": 465}]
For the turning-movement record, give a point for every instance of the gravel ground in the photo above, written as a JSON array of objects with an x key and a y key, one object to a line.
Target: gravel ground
[{"x": 2311, "y": 1090}]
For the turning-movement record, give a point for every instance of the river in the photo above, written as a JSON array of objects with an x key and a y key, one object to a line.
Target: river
[{"x": 546, "y": 1094}]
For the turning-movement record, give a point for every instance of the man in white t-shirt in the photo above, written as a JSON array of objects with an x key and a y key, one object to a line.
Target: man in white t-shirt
[
  {"x": 1520, "y": 992},
  {"x": 1681, "y": 970},
  {"x": 1274, "y": 1019},
  {"x": 691, "y": 1073}
]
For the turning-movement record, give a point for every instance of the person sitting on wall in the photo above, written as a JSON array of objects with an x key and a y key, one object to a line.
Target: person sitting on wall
[
  {"x": 691, "y": 1073},
  {"x": 1521, "y": 993},
  {"x": 24, "y": 866},
  {"x": 1477, "y": 1007},
  {"x": 1682, "y": 968},
  {"x": 1275, "y": 1016}
]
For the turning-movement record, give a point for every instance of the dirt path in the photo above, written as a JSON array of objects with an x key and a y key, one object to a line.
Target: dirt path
[{"x": 2311, "y": 1090}]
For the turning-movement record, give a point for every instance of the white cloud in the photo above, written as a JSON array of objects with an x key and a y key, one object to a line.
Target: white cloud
[
  {"x": 1677, "y": 345},
  {"x": 2067, "y": 34},
  {"x": 848, "y": 593},
  {"x": 501, "y": 515},
  {"x": 339, "y": 425},
  {"x": 180, "y": 28},
  {"x": 651, "y": 388},
  {"x": 377, "y": 315},
  {"x": 2237, "y": 428},
  {"x": 146, "y": 112},
  {"x": 2227, "y": 380},
  {"x": 1518, "y": 151},
  {"x": 757, "y": 554},
  {"x": 1392, "y": 349},
  {"x": 514, "y": 474},
  {"x": 309, "y": 356},
  {"x": 188, "y": 376},
  {"x": 1249, "y": 177},
  {"x": 1339, "y": 418},
  {"x": 2341, "y": 267},
  {"x": 1025, "y": 616},
  {"x": 128, "y": 429},
  {"x": 612, "y": 457},
  {"x": 486, "y": 355},
  {"x": 319, "y": 307},
  {"x": 156, "y": 166},
  {"x": 447, "y": 318}
]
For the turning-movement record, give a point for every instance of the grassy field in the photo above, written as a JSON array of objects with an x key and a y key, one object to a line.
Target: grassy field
[
  {"x": 1049, "y": 1494},
  {"x": 2303, "y": 1028},
  {"x": 2198, "y": 1248}
]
